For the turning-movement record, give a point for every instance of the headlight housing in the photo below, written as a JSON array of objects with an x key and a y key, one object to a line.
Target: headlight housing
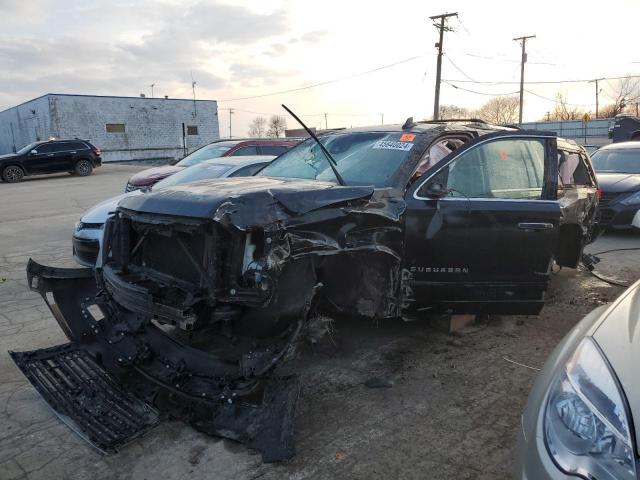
[
  {"x": 633, "y": 199},
  {"x": 586, "y": 424}
]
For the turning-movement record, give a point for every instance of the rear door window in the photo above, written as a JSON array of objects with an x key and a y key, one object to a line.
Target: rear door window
[
  {"x": 572, "y": 169},
  {"x": 249, "y": 150},
  {"x": 272, "y": 149}
]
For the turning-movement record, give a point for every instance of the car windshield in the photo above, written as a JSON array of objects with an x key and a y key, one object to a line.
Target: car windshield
[
  {"x": 213, "y": 150},
  {"x": 28, "y": 148},
  {"x": 202, "y": 171},
  {"x": 617, "y": 160},
  {"x": 366, "y": 158}
]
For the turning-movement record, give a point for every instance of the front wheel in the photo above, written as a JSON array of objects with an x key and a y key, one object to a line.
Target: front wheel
[
  {"x": 83, "y": 168},
  {"x": 12, "y": 174}
]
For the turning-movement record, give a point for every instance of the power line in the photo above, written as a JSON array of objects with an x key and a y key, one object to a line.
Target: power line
[
  {"x": 458, "y": 68},
  {"x": 457, "y": 87},
  {"x": 327, "y": 82},
  {"x": 548, "y": 82}
]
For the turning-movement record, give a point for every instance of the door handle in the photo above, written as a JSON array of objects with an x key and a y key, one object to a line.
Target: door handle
[{"x": 535, "y": 226}]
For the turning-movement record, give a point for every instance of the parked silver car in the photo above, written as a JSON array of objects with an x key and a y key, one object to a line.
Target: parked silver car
[
  {"x": 87, "y": 234},
  {"x": 584, "y": 407}
]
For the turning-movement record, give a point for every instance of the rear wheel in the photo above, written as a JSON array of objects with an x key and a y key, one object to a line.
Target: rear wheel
[
  {"x": 83, "y": 168},
  {"x": 635, "y": 137},
  {"x": 12, "y": 174}
]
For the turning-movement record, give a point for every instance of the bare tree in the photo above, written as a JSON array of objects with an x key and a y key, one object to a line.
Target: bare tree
[
  {"x": 453, "y": 111},
  {"x": 624, "y": 94},
  {"x": 564, "y": 111},
  {"x": 277, "y": 126},
  {"x": 258, "y": 127},
  {"x": 499, "y": 110}
]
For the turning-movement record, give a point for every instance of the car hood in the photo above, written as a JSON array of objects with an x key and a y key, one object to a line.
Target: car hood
[
  {"x": 152, "y": 175},
  {"x": 8, "y": 155},
  {"x": 245, "y": 201},
  {"x": 618, "y": 182},
  {"x": 618, "y": 334},
  {"x": 100, "y": 212}
]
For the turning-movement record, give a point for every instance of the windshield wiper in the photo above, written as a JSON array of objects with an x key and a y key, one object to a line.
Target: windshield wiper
[{"x": 330, "y": 159}]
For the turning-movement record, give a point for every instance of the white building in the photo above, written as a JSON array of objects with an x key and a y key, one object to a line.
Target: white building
[{"x": 124, "y": 128}]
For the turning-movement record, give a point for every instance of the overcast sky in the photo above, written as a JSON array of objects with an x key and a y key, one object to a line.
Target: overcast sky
[{"x": 252, "y": 47}]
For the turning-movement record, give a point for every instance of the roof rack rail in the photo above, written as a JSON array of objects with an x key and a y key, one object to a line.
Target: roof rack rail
[{"x": 474, "y": 120}]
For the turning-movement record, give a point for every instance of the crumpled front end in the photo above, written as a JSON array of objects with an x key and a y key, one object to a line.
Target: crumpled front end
[
  {"x": 193, "y": 317},
  {"x": 122, "y": 373}
]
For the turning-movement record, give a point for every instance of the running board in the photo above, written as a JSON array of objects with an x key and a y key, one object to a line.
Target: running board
[{"x": 86, "y": 397}]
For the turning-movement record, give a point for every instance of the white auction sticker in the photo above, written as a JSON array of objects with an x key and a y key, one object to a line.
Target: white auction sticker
[{"x": 391, "y": 145}]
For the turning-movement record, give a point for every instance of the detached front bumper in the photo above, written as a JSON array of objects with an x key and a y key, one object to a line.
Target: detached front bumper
[{"x": 120, "y": 374}]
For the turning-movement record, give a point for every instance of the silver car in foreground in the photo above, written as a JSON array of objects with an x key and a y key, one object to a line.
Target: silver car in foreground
[
  {"x": 87, "y": 234},
  {"x": 583, "y": 414}
]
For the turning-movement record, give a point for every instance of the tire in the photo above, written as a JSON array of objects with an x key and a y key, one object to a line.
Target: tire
[
  {"x": 635, "y": 137},
  {"x": 12, "y": 174},
  {"x": 83, "y": 168}
]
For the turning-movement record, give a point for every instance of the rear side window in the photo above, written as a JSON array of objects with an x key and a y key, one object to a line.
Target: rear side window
[
  {"x": 273, "y": 149},
  {"x": 572, "y": 169},
  {"x": 77, "y": 146},
  {"x": 507, "y": 169},
  {"x": 251, "y": 150}
]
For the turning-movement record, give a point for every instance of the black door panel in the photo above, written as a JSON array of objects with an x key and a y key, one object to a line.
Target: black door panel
[{"x": 488, "y": 244}]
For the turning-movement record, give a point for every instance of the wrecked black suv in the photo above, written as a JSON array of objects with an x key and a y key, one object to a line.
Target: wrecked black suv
[{"x": 202, "y": 291}]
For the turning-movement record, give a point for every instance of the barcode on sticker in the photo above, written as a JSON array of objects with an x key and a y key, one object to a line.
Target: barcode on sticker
[{"x": 391, "y": 145}]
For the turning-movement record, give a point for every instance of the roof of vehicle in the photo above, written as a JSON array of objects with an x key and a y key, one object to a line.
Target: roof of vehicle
[
  {"x": 622, "y": 146},
  {"x": 422, "y": 126},
  {"x": 240, "y": 160}
]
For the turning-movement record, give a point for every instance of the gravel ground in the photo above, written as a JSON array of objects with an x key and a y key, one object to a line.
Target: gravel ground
[{"x": 452, "y": 411}]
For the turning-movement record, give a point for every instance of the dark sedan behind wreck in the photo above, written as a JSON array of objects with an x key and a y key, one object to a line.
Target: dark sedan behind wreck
[{"x": 202, "y": 291}]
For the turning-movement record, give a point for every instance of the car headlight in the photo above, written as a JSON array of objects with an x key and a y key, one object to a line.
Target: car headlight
[
  {"x": 586, "y": 424},
  {"x": 632, "y": 199}
]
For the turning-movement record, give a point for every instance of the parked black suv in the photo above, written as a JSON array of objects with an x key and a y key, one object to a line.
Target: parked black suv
[{"x": 55, "y": 156}]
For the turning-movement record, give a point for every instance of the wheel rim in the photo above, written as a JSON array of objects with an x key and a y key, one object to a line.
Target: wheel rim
[
  {"x": 83, "y": 168},
  {"x": 13, "y": 173}
]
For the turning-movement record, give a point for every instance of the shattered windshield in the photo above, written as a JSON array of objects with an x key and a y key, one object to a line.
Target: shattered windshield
[
  {"x": 366, "y": 158},
  {"x": 617, "y": 160}
]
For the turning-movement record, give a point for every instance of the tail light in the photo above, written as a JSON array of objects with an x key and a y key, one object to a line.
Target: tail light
[
  {"x": 96, "y": 150},
  {"x": 598, "y": 194}
]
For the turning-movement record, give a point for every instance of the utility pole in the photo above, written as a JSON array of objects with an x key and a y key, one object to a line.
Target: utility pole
[
  {"x": 382, "y": 119},
  {"x": 230, "y": 113},
  {"x": 441, "y": 28},
  {"x": 325, "y": 122},
  {"x": 597, "y": 93},
  {"x": 522, "y": 62},
  {"x": 152, "y": 85}
]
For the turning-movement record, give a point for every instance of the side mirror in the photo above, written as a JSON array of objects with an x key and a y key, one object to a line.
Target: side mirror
[
  {"x": 33, "y": 152},
  {"x": 435, "y": 190}
]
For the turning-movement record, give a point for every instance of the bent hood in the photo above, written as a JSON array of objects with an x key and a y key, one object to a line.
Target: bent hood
[
  {"x": 152, "y": 175},
  {"x": 618, "y": 182},
  {"x": 100, "y": 212},
  {"x": 245, "y": 201},
  {"x": 619, "y": 337}
]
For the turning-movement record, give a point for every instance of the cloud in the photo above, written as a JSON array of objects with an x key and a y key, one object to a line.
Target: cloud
[
  {"x": 31, "y": 11},
  {"x": 169, "y": 43}
]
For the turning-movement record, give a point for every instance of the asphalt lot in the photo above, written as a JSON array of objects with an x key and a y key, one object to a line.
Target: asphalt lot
[{"x": 452, "y": 412}]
